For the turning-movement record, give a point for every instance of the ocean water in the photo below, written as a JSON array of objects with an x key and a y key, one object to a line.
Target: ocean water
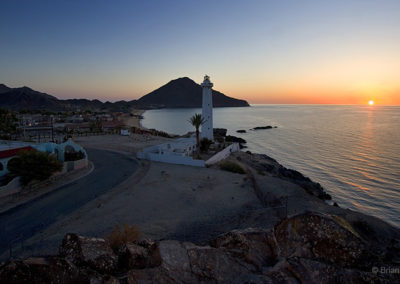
[{"x": 352, "y": 151}]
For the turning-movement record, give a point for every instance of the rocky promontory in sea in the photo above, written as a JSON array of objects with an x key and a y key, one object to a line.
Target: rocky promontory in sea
[
  {"x": 306, "y": 248},
  {"x": 257, "y": 128},
  {"x": 263, "y": 127}
]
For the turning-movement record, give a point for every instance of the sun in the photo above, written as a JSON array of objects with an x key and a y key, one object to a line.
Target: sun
[{"x": 371, "y": 103}]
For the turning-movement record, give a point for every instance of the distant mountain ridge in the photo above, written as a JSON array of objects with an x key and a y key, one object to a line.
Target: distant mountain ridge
[
  {"x": 4, "y": 88},
  {"x": 178, "y": 93}
]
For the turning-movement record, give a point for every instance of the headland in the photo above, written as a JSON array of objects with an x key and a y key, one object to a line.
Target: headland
[{"x": 270, "y": 223}]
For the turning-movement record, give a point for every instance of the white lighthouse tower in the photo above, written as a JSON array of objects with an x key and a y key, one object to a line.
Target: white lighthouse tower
[{"x": 207, "y": 127}]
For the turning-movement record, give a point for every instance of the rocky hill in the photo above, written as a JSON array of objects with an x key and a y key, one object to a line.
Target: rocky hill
[
  {"x": 4, "y": 88},
  {"x": 184, "y": 92},
  {"x": 26, "y": 98}
]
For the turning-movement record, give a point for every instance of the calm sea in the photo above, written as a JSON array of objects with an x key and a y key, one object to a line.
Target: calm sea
[{"x": 353, "y": 151}]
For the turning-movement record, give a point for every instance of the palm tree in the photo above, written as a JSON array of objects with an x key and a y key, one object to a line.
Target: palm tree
[{"x": 197, "y": 120}]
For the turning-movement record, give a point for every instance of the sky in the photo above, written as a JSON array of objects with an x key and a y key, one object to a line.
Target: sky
[{"x": 267, "y": 51}]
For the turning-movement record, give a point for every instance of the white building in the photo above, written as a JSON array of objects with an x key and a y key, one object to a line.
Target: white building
[
  {"x": 10, "y": 149},
  {"x": 177, "y": 151},
  {"x": 207, "y": 113}
]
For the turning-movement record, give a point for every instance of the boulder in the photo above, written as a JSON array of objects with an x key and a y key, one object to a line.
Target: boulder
[
  {"x": 92, "y": 252},
  {"x": 211, "y": 265},
  {"x": 142, "y": 254},
  {"x": 257, "y": 247},
  {"x": 241, "y": 131},
  {"x": 174, "y": 267},
  {"x": 40, "y": 270},
  {"x": 325, "y": 238},
  {"x": 311, "y": 271},
  {"x": 188, "y": 263}
]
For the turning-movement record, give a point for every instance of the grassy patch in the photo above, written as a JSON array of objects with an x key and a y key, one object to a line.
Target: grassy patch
[
  {"x": 342, "y": 222},
  {"x": 231, "y": 167},
  {"x": 123, "y": 234}
]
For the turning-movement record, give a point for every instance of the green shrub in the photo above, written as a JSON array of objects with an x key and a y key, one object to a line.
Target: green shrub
[
  {"x": 231, "y": 167},
  {"x": 219, "y": 139},
  {"x": 205, "y": 144},
  {"x": 30, "y": 165}
]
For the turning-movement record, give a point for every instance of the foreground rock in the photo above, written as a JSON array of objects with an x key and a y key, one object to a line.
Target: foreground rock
[
  {"x": 308, "y": 248},
  {"x": 91, "y": 252}
]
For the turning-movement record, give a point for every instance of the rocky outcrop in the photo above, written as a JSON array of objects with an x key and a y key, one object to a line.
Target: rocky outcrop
[
  {"x": 91, "y": 252},
  {"x": 220, "y": 132},
  {"x": 235, "y": 139},
  {"x": 266, "y": 165},
  {"x": 143, "y": 254},
  {"x": 307, "y": 248}
]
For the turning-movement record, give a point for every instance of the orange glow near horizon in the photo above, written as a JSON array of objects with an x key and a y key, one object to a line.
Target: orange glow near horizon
[
  {"x": 371, "y": 103},
  {"x": 332, "y": 95}
]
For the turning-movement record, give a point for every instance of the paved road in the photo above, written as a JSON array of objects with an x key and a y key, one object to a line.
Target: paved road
[{"x": 24, "y": 221}]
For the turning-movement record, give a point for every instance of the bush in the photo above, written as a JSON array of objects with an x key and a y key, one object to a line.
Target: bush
[
  {"x": 122, "y": 234},
  {"x": 205, "y": 144},
  {"x": 231, "y": 167},
  {"x": 219, "y": 139},
  {"x": 30, "y": 165}
]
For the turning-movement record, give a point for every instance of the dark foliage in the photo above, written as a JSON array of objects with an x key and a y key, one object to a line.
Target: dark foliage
[
  {"x": 8, "y": 122},
  {"x": 30, "y": 165},
  {"x": 205, "y": 144}
]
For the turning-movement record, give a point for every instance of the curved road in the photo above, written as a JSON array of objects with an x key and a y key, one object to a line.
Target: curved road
[{"x": 24, "y": 221}]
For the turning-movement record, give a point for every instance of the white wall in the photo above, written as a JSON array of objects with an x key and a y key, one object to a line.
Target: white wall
[
  {"x": 223, "y": 154},
  {"x": 172, "y": 159},
  {"x": 12, "y": 187}
]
